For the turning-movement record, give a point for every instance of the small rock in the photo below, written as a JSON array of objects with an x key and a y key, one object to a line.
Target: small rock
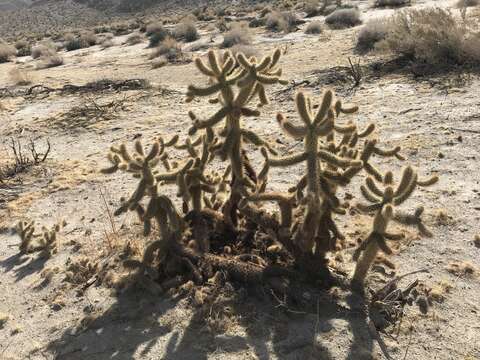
[
  {"x": 476, "y": 242},
  {"x": 440, "y": 155}
]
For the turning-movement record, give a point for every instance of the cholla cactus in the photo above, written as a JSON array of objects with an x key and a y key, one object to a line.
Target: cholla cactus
[
  {"x": 384, "y": 203},
  {"x": 324, "y": 168},
  {"x": 250, "y": 77},
  {"x": 142, "y": 165},
  {"x": 45, "y": 241}
]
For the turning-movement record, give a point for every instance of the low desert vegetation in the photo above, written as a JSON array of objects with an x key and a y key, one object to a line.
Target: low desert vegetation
[
  {"x": 391, "y": 3},
  {"x": 467, "y": 3},
  {"x": 19, "y": 76},
  {"x": 281, "y": 21},
  {"x": 7, "y": 51},
  {"x": 134, "y": 39},
  {"x": 156, "y": 33},
  {"x": 169, "y": 49},
  {"x": 372, "y": 33},
  {"x": 84, "y": 40},
  {"x": 106, "y": 40},
  {"x": 45, "y": 48},
  {"x": 314, "y": 27},
  {"x": 433, "y": 36},
  {"x": 343, "y": 18},
  {"x": 239, "y": 34},
  {"x": 23, "y": 48},
  {"x": 186, "y": 31}
]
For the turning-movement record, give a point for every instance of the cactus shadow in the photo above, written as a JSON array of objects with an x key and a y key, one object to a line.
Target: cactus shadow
[
  {"x": 9, "y": 263},
  {"x": 139, "y": 326}
]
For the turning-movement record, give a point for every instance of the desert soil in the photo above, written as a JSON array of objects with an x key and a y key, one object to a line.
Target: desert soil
[{"x": 436, "y": 120}]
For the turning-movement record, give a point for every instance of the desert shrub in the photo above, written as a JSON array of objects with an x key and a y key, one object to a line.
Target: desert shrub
[
  {"x": 467, "y": 3},
  {"x": 51, "y": 60},
  {"x": 391, "y": 3},
  {"x": 281, "y": 21},
  {"x": 257, "y": 22},
  {"x": 134, "y": 39},
  {"x": 153, "y": 27},
  {"x": 186, "y": 31},
  {"x": 41, "y": 50},
  {"x": 432, "y": 36},
  {"x": 372, "y": 33},
  {"x": 101, "y": 29},
  {"x": 315, "y": 27},
  {"x": 106, "y": 40},
  {"x": 168, "y": 48},
  {"x": 343, "y": 18},
  {"x": 311, "y": 7},
  {"x": 23, "y": 48},
  {"x": 19, "y": 76},
  {"x": 156, "y": 34},
  {"x": 6, "y": 52},
  {"x": 72, "y": 42},
  {"x": 88, "y": 38},
  {"x": 239, "y": 33}
]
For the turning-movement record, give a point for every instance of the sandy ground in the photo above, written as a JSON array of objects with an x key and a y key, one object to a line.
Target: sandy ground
[{"x": 435, "y": 120}]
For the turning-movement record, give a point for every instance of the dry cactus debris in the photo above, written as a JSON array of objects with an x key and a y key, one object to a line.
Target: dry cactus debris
[{"x": 222, "y": 226}]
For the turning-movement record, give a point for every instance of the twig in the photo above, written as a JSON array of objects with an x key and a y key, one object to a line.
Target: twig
[
  {"x": 376, "y": 336},
  {"x": 466, "y": 130}
]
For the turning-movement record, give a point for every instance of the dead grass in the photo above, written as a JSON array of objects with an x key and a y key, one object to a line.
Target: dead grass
[
  {"x": 19, "y": 77},
  {"x": 239, "y": 34},
  {"x": 281, "y": 21},
  {"x": 170, "y": 49},
  {"x": 370, "y": 34},
  {"x": 186, "y": 31},
  {"x": 44, "y": 49},
  {"x": 134, "y": 39},
  {"x": 6, "y": 52},
  {"x": 343, "y": 18},
  {"x": 434, "y": 37},
  {"x": 51, "y": 60}
]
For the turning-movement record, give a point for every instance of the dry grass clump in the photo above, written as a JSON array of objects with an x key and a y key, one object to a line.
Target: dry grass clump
[
  {"x": 434, "y": 37},
  {"x": 50, "y": 60},
  {"x": 239, "y": 33},
  {"x": 372, "y": 33},
  {"x": 86, "y": 39},
  {"x": 43, "y": 49},
  {"x": 107, "y": 40},
  {"x": 246, "y": 50},
  {"x": 134, "y": 39},
  {"x": 89, "y": 38},
  {"x": 186, "y": 31},
  {"x": 315, "y": 27},
  {"x": 281, "y": 21},
  {"x": 170, "y": 49},
  {"x": 6, "y": 52},
  {"x": 19, "y": 76},
  {"x": 391, "y": 3},
  {"x": 343, "y": 18},
  {"x": 467, "y": 3}
]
